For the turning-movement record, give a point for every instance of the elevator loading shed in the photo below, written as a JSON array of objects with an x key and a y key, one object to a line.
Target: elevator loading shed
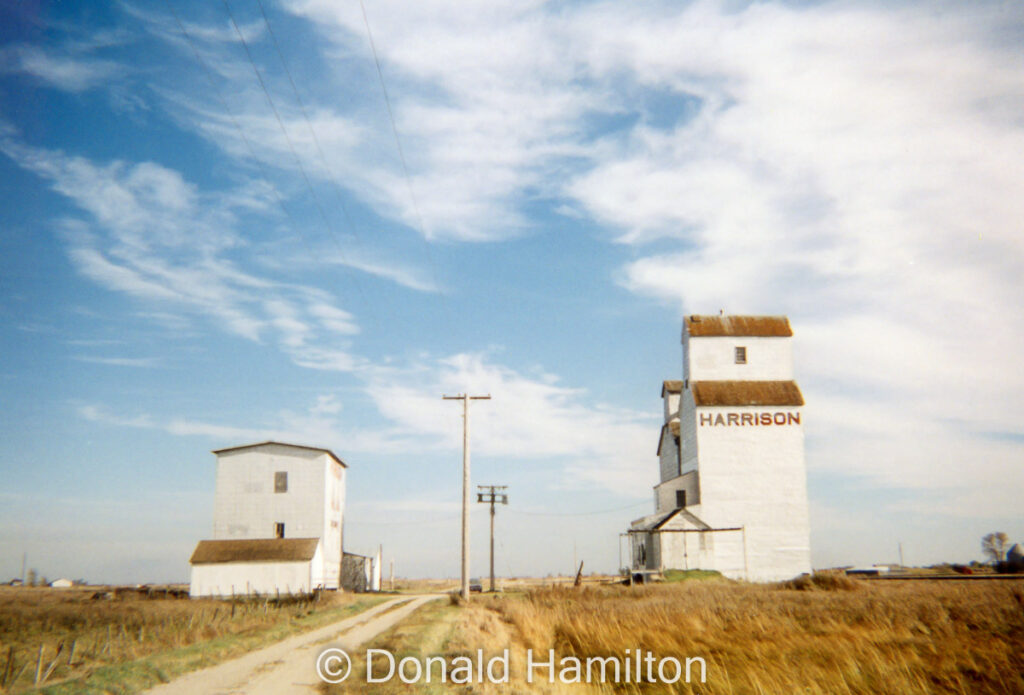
[{"x": 732, "y": 495}]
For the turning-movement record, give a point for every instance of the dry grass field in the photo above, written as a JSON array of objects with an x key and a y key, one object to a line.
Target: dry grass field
[
  {"x": 66, "y": 641},
  {"x": 827, "y": 636}
]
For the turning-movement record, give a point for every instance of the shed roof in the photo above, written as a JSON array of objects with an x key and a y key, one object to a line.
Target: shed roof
[
  {"x": 755, "y": 326},
  {"x": 255, "y": 550},
  {"x": 720, "y": 393},
  {"x": 671, "y": 386},
  {"x": 284, "y": 444}
]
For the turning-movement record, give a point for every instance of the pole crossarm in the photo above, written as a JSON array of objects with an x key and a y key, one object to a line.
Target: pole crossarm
[{"x": 492, "y": 494}]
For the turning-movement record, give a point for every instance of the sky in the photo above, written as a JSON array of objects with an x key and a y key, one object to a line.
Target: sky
[{"x": 307, "y": 220}]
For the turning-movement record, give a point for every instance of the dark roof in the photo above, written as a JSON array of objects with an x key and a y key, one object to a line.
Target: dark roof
[
  {"x": 755, "y": 326},
  {"x": 293, "y": 446},
  {"x": 684, "y": 514},
  {"x": 671, "y": 387},
  {"x": 717, "y": 393},
  {"x": 255, "y": 550}
]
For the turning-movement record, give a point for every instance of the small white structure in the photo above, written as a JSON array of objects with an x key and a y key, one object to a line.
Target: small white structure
[
  {"x": 62, "y": 584},
  {"x": 732, "y": 495},
  {"x": 259, "y": 566},
  {"x": 277, "y": 522}
]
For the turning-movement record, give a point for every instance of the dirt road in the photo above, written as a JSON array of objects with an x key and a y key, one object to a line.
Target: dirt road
[{"x": 290, "y": 665}]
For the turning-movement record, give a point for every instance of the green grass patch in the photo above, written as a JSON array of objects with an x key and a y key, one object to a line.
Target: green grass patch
[
  {"x": 161, "y": 667},
  {"x": 684, "y": 575},
  {"x": 426, "y": 631}
]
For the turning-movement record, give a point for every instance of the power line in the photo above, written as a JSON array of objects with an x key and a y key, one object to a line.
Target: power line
[
  {"x": 288, "y": 139},
  {"x": 398, "y": 145},
  {"x": 238, "y": 126},
  {"x": 391, "y": 117},
  {"x": 599, "y": 511},
  {"x": 305, "y": 115},
  {"x": 406, "y": 522}
]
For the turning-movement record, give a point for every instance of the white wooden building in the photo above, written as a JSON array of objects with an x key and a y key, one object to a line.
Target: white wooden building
[
  {"x": 732, "y": 495},
  {"x": 277, "y": 522}
]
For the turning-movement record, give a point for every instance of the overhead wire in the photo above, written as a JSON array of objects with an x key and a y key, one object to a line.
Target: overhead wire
[
  {"x": 238, "y": 126},
  {"x": 590, "y": 513},
  {"x": 510, "y": 510},
  {"x": 398, "y": 145},
  {"x": 305, "y": 116},
  {"x": 291, "y": 145}
]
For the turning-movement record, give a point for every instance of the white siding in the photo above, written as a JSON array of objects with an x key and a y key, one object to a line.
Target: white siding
[
  {"x": 665, "y": 493},
  {"x": 669, "y": 456},
  {"x": 246, "y": 505},
  {"x": 741, "y": 474},
  {"x": 755, "y": 477},
  {"x": 688, "y": 433},
  {"x": 241, "y": 578},
  {"x": 671, "y": 402},
  {"x": 714, "y": 359}
]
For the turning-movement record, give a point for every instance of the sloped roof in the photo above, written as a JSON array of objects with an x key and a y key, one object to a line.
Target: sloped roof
[
  {"x": 682, "y": 517},
  {"x": 255, "y": 550},
  {"x": 646, "y": 523},
  {"x": 754, "y": 326},
  {"x": 722, "y": 393},
  {"x": 671, "y": 386},
  {"x": 673, "y": 427},
  {"x": 284, "y": 444}
]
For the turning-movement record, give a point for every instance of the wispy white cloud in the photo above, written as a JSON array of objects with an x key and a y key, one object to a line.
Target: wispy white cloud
[
  {"x": 156, "y": 238},
  {"x": 849, "y": 166},
  {"x": 414, "y": 279},
  {"x": 529, "y": 418},
  {"x": 71, "y": 73}
]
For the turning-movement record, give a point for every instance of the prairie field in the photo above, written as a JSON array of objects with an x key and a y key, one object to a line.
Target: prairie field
[
  {"x": 829, "y": 635},
  {"x": 65, "y": 640}
]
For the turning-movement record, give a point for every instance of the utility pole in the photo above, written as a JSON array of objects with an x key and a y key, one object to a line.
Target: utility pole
[
  {"x": 465, "y": 484},
  {"x": 492, "y": 494}
]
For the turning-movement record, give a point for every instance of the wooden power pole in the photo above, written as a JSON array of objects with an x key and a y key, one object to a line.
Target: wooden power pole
[
  {"x": 492, "y": 494},
  {"x": 465, "y": 484}
]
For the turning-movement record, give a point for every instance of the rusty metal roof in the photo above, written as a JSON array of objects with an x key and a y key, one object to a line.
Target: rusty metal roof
[
  {"x": 671, "y": 386},
  {"x": 284, "y": 444},
  {"x": 755, "y": 326},
  {"x": 721, "y": 393},
  {"x": 255, "y": 550}
]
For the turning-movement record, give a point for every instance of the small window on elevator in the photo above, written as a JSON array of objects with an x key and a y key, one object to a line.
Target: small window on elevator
[
  {"x": 680, "y": 499},
  {"x": 741, "y": 354},
  {"x": 279, "y": 530},
  {"x": 281, "y": 481}
]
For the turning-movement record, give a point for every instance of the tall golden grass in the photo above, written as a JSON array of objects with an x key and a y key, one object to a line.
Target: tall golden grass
[{"x": 826, "y": 636}]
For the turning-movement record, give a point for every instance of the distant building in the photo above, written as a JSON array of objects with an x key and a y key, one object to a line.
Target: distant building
[
  {"x": 62, "y": 584},
  {"x": 277, "y": 522},
  {"x": 360, "y": 573},
  {"x": 732, "y": 495}
]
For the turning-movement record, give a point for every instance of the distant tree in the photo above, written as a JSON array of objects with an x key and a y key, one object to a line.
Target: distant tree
[
  {"x": 31, "y": 577},
  {"x": 994, "y": 545}
]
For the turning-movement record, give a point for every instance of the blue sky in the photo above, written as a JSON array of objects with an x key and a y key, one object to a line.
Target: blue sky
[{"x": 199, "y": 250}]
